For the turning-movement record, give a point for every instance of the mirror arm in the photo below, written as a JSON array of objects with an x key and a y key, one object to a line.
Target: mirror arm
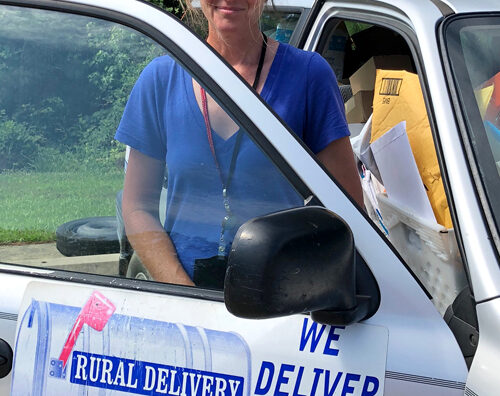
[
  {"x": 367, "y": 299},
  {"x": 347, "y": 317}
]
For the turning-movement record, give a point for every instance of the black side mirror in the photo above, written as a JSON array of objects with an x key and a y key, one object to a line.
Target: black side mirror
[{"x": 296, "y": 261}]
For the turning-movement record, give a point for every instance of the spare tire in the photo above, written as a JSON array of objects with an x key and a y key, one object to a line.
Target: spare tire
[{"x": 92, "y": 235}]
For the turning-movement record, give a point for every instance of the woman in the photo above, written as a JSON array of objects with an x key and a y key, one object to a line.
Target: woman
[{"x": 301, "y": 88}]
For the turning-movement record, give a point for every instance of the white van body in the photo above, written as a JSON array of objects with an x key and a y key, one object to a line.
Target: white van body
[{"x": 404, "y": 348}]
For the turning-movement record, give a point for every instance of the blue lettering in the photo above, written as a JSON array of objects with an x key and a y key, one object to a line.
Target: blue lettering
[
  {"x": 282, "y": 380},
  {"x": 332, "y": 337},
  {"x": 348, "y": 378},
  {"x": 147, "y": 378},
  {"x": 317, "y": 373},
  {"x": 297, "y": 383},
  {"x": 331, "y": 391},
  {"x": 269, "y": 367},
  {"x": 370, "y": 381},
  {"x": 312, "y": 333}
]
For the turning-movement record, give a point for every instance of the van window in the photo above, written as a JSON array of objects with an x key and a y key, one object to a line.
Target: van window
[{"x": 65, "y": 80}]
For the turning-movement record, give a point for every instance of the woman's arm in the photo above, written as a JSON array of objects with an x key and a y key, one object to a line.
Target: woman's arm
[
  {"x": 141, "y": 197},
  {"x": 338, "y": 158},
  {"x": 327, "y": 132}
]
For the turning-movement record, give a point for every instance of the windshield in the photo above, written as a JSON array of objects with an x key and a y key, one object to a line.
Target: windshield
[{"x": 473, "y": 45}]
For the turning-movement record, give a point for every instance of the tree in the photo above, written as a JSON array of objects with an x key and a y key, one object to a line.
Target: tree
[{"x": 173, "y": 6}]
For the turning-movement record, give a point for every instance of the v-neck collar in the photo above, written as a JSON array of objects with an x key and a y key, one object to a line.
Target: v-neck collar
[{"x": 266, "y": 89}]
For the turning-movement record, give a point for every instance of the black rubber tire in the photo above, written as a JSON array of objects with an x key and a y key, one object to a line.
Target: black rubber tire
[
  {"x": 136, "y": 269},
  {"x": 89, "y": 236}
]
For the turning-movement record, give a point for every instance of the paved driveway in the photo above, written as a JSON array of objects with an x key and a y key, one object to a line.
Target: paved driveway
[{"x": 46, "y": 255}]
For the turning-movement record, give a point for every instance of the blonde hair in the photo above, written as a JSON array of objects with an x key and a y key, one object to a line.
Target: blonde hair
[{"x": 194, "y": 18}]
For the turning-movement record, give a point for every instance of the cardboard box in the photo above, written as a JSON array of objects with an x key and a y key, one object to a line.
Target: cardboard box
[
  {"x": 364, "y": 78},
  {"x": 359, "y": 107}
]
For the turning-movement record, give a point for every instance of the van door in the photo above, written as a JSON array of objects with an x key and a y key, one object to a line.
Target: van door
[{"x": 74, "y": 324}]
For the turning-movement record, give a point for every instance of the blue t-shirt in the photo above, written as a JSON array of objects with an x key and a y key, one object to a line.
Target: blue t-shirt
[{"x": 163, "y": 120}]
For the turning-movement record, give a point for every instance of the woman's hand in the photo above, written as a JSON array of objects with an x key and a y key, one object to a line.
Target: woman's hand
[{"x": 141, "y": 199}]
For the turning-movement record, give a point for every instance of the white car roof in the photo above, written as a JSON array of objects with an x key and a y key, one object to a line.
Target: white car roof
[
  {"x": 460, "y": 6},
  {"x": 457, "y": 6},
  {"x": 291, "y": 3}
]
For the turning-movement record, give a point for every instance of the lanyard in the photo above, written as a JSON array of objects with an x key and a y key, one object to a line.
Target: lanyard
[{"x": 228, "y": 218}]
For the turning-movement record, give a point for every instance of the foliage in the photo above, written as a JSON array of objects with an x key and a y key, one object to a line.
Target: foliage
[
  {"x": 356, "y": 27},
  {"x": 112, "y": 75},
  {"x": 173, "y": 6},
  {"x": 190, "y": 16},
  {"x": 18, "y": 143},
  {"x": 63, "y": 88},
  {"x": 64, "y": 81}
]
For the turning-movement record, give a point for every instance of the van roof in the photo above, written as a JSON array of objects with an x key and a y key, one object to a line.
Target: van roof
[
  {"x": 459, "y": 6},
  {"x": 445, "y": 6}
]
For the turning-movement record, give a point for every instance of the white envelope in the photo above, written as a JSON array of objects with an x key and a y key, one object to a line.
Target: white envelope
[{"x": 398, "y": 169}]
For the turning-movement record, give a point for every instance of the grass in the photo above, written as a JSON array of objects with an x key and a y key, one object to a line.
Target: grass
[{"x": 33, "y": 205}]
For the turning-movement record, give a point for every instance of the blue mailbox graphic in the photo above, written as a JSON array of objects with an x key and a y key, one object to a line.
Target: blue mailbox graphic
[{"x": 66, "y": 350}]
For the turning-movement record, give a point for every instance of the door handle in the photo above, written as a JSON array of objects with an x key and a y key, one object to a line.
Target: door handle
[{"x": 6, "y": 357}]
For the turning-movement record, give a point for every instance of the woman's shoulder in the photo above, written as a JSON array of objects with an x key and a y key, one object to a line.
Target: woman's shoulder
[
  {"x": 291, "y": 52},
  {"x": 162, "y": 61},
  {"x": 308, "y": 60}
]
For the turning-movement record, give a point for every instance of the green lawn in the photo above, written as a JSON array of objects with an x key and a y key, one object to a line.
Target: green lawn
[{"x": 33, "y": 205}]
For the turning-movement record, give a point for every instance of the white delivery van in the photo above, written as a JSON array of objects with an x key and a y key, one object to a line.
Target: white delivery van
[{"x": 322, "y": 299}]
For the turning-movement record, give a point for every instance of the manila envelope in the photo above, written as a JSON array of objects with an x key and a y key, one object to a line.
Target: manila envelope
[{"x": 398, "y": 97}]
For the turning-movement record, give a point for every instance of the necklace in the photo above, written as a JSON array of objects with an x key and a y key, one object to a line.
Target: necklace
[{"x": 229, "y": 219}]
